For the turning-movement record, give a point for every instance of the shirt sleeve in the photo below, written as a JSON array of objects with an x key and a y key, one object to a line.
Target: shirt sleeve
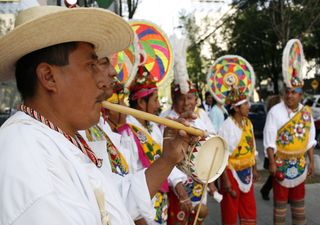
[
  {"x": 208, "y": 123},
  {"x": 135, "y": 193},
  {"x": 312, "y": 135},
  {"x": 270, "y": 133},
  {"x": 51, "y": 213},
  {"x": 131, "y": 155},
  {"x": 176, "y": 176}
]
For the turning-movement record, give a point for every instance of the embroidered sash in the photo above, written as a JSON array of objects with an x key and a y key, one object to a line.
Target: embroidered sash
[
  {"x": 117, "y": 161},
  {"x": 292, "y": 141},
  {"x": 149, "y": 151},
  {"x": 243, "y": 156}
]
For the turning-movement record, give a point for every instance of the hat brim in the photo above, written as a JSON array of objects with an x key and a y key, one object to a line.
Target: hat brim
[{"x": 108, "y": 32}]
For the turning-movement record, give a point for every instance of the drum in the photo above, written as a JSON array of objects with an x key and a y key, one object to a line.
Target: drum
[{"x": 206, "y": 160}]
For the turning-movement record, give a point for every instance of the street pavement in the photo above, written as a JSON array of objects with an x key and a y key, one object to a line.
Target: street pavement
[{"x": 265, "y": 208}]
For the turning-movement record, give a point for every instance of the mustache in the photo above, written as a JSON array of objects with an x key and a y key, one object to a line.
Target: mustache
[{"x": 102, "y": 97}]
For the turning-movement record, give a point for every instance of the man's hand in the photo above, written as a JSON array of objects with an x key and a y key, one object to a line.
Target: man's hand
[
  {"x": 227, "y": 185},
  {"x": 184, "y": 199},
  {"x": 311, "y": 169},
  {"x": 272, "y": 168},
  {"x": 212, "y": 188},
  {"x": 272, "y": 163},
  {"x": 176, "y": 142},
  {"x": 311, "y": 159},
  {"x": 255, "y": 173}
]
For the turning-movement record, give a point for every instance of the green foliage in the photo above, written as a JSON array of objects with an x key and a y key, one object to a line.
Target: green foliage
[
  {"x": 104, "y": 3},
  {"x": 258, "y": 30}
]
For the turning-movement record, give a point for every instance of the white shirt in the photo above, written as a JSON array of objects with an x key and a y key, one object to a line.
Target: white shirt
[
  {"x": 198, "y": 123},
  {"x": 203, "y": 116},
  {"x": 45, "y": 179},
  {"x": 276, "y": 118},
  {"x": 232, "y": 134},
  {"x": 216, "y": 116},
  {"x": 206, "y": 107}
]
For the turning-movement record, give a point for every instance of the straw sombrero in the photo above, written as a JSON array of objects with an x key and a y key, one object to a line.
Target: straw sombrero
[{"x": 44, "y": 26}]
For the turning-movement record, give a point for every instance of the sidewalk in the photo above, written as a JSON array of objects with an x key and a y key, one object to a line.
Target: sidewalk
[{"x": 265, "y": 208}]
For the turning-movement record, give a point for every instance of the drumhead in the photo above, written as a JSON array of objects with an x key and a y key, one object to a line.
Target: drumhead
[{"x": 213, "y": 150}]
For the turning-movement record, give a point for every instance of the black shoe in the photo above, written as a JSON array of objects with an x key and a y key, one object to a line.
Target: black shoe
[{"x": 265, "y": 196}]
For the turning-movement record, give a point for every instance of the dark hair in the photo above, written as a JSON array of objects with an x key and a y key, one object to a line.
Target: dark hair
[
  {"x": 230, "y": 110},
  {"x": 207, "y": 94},
  {"x": 26, "y": 66},
  {"x": 134, "y": 103}
]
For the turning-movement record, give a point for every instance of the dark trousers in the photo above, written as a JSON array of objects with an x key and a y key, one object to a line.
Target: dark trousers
[{"x": 266, "y": 188}]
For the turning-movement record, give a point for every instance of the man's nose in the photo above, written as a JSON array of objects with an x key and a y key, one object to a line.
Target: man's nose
[
  {"x": 102, "y": 78},
  {"x": 112, "y": 71}
]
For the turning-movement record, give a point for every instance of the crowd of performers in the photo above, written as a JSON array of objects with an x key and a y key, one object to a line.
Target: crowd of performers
[{"x": 46, "y": 179}]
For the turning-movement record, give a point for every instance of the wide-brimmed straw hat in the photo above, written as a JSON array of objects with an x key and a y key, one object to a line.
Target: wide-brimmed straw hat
[{"x": 44, "y": 26}]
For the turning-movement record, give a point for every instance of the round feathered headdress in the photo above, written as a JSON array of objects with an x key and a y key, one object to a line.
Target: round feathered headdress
[
  {"x": 231, "y": 80},
  {"x": 292, "y": 64}
]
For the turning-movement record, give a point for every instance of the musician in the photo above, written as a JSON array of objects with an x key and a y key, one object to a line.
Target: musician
[
  {"x": 48, "y": 173},
  {"x": 144, "y": 139},
  {"x": 237, "y": 180},
  {"x": 178, "y": 212}
]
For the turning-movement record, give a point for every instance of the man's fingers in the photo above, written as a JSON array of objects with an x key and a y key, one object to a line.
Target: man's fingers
[{"x": 188, "y": 115}]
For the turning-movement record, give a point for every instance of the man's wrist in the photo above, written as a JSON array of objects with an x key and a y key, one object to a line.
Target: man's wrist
[{"x": 167, "y": 161}]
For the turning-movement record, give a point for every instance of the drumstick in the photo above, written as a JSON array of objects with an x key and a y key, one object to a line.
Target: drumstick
[
  {"x": 150, "y": 117},
  {"x": 205, "y": 187}
]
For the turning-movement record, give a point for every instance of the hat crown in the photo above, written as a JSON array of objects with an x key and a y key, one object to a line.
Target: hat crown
[{"x": 34, "y": 13}]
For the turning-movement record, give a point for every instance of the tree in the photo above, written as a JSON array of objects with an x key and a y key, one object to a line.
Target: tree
[
  {"x": 194, "y": 59},
  {"x": 260, "y": 29},
  {"x": 131, "y": 6}
]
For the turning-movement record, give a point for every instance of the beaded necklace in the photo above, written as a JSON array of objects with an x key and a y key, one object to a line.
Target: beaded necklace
[{"x": 79, "y": 142}]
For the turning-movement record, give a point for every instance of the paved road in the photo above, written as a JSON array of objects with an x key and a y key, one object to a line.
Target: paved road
[{"x": 265, "y": 208}]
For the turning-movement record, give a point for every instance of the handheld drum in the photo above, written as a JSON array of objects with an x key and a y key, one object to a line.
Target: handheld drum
[{"x": 205, "y": 161}]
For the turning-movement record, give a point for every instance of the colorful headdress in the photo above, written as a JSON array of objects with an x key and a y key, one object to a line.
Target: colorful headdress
[
  {"x": 176, "y": 89},
  {"x": 143, "y": 85},
  {"x": 150, "y": 49},
  {"x": 292, "y": 64},
  {"x": 231, "y": 80},
  {"x": 118, "y": 92},
  {"x": 236, "y": 96}
]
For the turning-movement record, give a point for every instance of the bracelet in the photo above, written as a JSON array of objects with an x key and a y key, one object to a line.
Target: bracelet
[{"x": 184, "y": 200}]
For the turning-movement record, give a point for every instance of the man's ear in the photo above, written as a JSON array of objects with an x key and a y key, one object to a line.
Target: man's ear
[
  {"x": 141, "y": 103},
  {"x": 45, "y": 74},
  {"x": 236, "y": 108}
]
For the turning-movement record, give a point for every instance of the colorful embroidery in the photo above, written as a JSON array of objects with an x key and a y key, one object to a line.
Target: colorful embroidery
[
  {"x": 291, "y": 168},
  {"x": 243, "y": 156},
  {"x": 161, "y": 206},
  {"x": 117, "y": 161},
  {"x": 292, "y": 141},
  {"x": 194, "y": 190},
  {"x": 151, "y": 149},
  {"x": 245, "y": 175},
  {"x": 294, "y": 135}
]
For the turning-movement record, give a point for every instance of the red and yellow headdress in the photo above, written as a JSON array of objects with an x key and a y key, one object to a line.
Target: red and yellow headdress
[
  {"x": 143, "y": 85},
  {"x": 118, "y": 93},
  {"x": 236, "y": 96}
]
